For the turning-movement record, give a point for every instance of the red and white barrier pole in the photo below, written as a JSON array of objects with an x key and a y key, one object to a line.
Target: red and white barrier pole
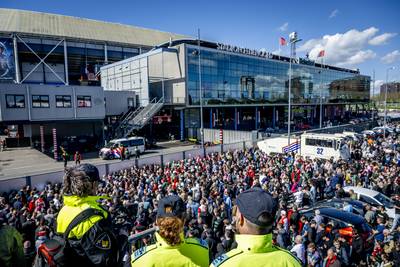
[
  {"x": 42, "y": 138},
  {"x": 55, "y": 144},
  {"x": 221, "y": 136}
]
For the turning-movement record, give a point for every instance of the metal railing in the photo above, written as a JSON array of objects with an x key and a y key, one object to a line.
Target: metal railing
[
  {"x": 147, "y": 112},
  {"x": 120, "y": 130}
]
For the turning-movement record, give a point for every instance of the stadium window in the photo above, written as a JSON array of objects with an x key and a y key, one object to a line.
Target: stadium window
[
  {"x": 15, "y": 101},
  {"x": 84, "y": 101},
  {"x": 63, "y": 101},
  {"x": 40, "y": 101}
]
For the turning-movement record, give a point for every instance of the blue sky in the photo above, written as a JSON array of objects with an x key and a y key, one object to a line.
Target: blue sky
[{"x": 355, "y": 34}]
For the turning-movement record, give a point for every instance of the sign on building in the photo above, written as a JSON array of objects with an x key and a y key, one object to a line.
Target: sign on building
[{"x": 7, "y": 68}]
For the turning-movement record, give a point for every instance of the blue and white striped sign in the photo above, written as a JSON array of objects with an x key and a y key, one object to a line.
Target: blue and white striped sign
[{"x": 293, "y": 147}]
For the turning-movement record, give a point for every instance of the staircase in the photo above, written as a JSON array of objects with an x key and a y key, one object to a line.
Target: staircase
[{"x": 138, "y": 118}]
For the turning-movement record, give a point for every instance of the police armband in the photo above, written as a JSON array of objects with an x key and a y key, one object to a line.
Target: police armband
[
  {"x": 224, "y": 257},
  {"x": 141, "y": 251}
]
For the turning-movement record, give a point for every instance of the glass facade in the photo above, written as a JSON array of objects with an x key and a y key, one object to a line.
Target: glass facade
[
  {"x": 84, "y": 60},
  {"x": 229, "y": 78}
]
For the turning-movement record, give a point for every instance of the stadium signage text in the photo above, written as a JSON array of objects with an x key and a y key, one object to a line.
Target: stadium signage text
[{"x": 245, "y": 51}]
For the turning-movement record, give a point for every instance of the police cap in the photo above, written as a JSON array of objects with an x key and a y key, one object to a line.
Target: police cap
[
  {"x": 170, "y": 206},
  {"x": 255, "y": 202},
  {"x": 90, "y": 170}
]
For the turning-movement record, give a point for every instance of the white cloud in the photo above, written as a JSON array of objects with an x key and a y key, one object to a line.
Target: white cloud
[
  {"x": 334, "y": 13},
  {"x": 284, "y": 27},
  {"x": 391, "y": 57},
  {"x": 342, "y": 49},
  {"x": 381, "y": 39},
  {"x": 376, "y": 89},
  {"x": 359, "y": 57}
]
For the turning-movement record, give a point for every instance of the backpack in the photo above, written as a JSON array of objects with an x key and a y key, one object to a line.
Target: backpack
[{"x": 55, "y": 252}]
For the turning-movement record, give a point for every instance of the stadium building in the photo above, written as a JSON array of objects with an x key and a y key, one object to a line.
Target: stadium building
[
  {"x": 241, "y": 89},
  {"x": 91, "y": 80},
  {"x": 49, "y": 74}
]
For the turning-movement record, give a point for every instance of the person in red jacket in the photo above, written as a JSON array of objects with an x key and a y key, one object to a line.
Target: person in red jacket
[
  {"x": 331, "y": 259},
  {"x": 77, "y": 158}
]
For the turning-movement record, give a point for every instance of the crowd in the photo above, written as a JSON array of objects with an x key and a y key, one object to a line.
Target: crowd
[{"x": 209, "y": 187}]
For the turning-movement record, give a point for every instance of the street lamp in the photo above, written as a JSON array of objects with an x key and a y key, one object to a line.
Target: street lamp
[
  {"x": 201, "y": 92},
  {"x": 386, "y": 89},
  {"x": 293, "y": 40},
  {"x": 320, "y": 99}
]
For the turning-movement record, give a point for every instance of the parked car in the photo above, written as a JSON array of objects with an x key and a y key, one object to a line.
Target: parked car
[
  {"x": 344, "y": 222},
  {"x": 374, "y": 198},
  {"x": 303, "y": 126},
  {"x": 368, "y": 134},
  {"x": 380, "y": 130},
  {"x": 339, "y": 203}
]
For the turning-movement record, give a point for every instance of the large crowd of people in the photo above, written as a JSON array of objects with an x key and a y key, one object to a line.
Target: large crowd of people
[{"x": 210, "y": 187}]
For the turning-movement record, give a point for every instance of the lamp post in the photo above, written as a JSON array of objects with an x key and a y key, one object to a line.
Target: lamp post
[
  {"x": 293, "y": 40},
  {"x": 200, "y": 91},
  {"x": 386, "y": 89},
  {"x": 320, "y": 99}
]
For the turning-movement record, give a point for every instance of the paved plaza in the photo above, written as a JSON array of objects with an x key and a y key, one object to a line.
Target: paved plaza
[{"x": 20, "y": 162}]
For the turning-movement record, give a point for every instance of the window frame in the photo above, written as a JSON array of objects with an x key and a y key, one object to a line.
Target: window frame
[
  {"x": 40, "y": 101},
  {"x": 63, "y": 101},
  {"x": 15, "y": 100},
  {"x": 84, "y": 101}
]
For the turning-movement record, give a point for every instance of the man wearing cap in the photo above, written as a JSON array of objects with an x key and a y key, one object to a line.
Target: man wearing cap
[
  {"x": 254, "y": 218},
  {"x": 92, "y": 240},
  {"x": 171, "y": 248}
]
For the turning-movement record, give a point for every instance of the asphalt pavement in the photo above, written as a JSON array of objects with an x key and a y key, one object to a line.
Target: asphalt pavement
[{"x": 21, "y": 162}]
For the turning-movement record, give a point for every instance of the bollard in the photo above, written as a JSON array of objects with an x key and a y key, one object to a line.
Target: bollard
[
  {"x": 28, "y": 180},
  {"x": 107, "y": 169}
]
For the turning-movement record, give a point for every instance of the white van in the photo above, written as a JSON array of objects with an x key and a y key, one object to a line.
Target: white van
[{"x": 111, "y": 150}]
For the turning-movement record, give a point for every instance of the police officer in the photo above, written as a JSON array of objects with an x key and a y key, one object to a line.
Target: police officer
[
  {"x": 92, "y": 240},
  {"x": 171, "y": 249},
  {"x": 254, "y": 216},
  {"x": 11, "y": 250}
]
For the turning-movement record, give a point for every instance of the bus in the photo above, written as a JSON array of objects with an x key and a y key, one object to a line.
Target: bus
[{"x": 325, "y": 146}]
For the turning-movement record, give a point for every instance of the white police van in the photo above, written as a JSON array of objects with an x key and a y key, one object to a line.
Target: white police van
[{"x": 112, "y": 149}]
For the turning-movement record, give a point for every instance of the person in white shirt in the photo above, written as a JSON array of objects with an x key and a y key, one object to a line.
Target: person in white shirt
[
  {"x": 299, "y": 197},
  {"x": 318, "y": 218},
  {"x": 299, "y": 250}
]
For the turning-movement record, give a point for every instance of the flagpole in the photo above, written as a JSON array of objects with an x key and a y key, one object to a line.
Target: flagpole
[{"x": 279, "y": 48}]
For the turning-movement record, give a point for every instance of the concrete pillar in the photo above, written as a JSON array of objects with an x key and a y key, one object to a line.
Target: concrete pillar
[
  {"x": 16, "y": 61},
  {"x": 273, "y": 117},
  {"x": 236, "y": 119},
  {"x": 256, "y": 118},
  {"x": 66, "y": 63},
  {"x": 105, "y": 54},
  {"x": 182, "y": 124},
  {"x": 211, "y": 118}
]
